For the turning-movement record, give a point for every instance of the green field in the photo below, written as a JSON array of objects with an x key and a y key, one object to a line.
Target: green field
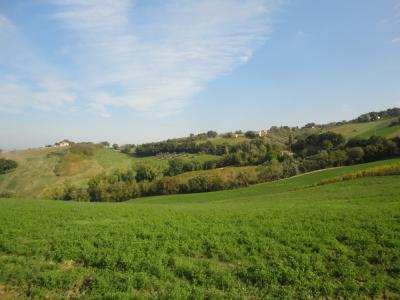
[
  {"x": 365, "y": 130},
  {"x": 279, "y": 240}
]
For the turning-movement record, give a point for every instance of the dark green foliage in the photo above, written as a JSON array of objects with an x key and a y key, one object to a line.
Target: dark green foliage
[
  {"x": 395, "y": 123},
  {"x": 147, "y": 172},
  {"x": 178, "y": 166},
  {"x": 166, "y": 186},
  {"x": 69, "y": 192},
  {"x": 85, "y": 149},
  {"x": 270, "y": 171},
  {"x": 374, "y": 116},
  {"x": 104, "y": 144},
  {"x": 7, "y": 165},
  {"x": 364, "y": 118},
  {"x": 119, "y": 186},
  {"x": 355, "y": 155},
  {"x": 201, "y": 184},
  {"x": 228, "y": 135},
  {"x": 378, "y": 148},
  {"x": 313, "y": 143},
  {"x": 329, "y": 150},
  {"x": 246, "y": 153},
  {"x": 169, "y": 146},
  {"x": 250, "y": 134},
  {"x": 127, "y": 149},
  {"x": 310, "y": 125},
  {"x": 212, "y": 134}
]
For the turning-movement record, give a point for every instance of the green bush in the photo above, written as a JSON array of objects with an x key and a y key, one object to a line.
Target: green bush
[
  {"x": 119, "y": 186},
  {"x": 270, "y": 171},
  {"x": 147, "y": 173},
  {"x": 7, "y": 165},
  {"x": 166, "y": 186},
  {"x": 85, "y": 149}
]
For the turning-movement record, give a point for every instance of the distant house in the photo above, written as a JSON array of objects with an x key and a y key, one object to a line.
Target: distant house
[
  {"x": 263, "y": 133},
  {"x": 64, "y": 143}
]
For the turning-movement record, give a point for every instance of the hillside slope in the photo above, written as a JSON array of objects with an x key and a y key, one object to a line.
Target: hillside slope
[
  {"x": 364, "y": 130},
  {"x": 43, "y": 168},
  {"x": 276, "y": 240}
]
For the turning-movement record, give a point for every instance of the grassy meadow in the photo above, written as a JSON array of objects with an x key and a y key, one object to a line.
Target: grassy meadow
[
  {"x": 285, "y": 239},
  {"x": 365, "y": 130}
]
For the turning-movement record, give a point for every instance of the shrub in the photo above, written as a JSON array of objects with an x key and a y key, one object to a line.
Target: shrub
[
  {"x": 146, "y": 173},
  {"x": 167, "y": 185},
  {"x": 205, "y": 183},
  {"x": 355, "y": 155},
  {"x": 7, "y": 165},
  {"x": 270, "y": 171},
  {"x": 250, "y": 134},
  {"x": 212, "y": 134},
  {"x": 68, "y": 192},
  {"x": 85, "y": 149},
  {"x": 118, "y": 186}
]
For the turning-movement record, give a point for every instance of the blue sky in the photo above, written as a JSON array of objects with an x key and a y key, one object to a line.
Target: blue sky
[{"x": 132, "y": 71}]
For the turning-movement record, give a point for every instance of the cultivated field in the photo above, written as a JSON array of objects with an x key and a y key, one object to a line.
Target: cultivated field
[{"x": 283, "y": 239}]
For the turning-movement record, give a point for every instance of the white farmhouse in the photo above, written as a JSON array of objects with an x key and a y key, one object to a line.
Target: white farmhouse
[{"x": 64, "y": 143}]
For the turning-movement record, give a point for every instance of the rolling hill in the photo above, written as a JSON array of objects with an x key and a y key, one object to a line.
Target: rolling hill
[
  {"x": 284, "y": 239},
  {"x": 364, "y": 130},
  {"x": 45, "y": 168},
  {"x": 39, "y": 169}
]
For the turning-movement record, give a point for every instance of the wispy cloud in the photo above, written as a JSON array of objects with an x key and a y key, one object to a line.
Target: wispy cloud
[
  {"x": 127, "y": 54},
  {"x": 26, "y": 79},
  {"x": 396, "y": 40},
  {"x": 159, "y": 64},
  {"x": 5, "y": 24}
]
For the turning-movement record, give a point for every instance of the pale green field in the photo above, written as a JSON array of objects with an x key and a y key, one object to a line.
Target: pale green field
[{"x": 365, "y": 130}]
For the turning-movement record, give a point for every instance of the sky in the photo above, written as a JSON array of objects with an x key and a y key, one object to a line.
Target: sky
[{"x": 134, "y": 71}]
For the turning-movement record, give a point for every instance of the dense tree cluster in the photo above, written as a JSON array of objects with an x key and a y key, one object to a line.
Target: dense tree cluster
[
  {"x": 7, "y": 165},
  {"x": 314, "y": 143},
  {"x": 331, "y": 150},
  {"x": 248, "y": 152},
  {"x": 169, "y": 146},
  {"x": 252, "y": 152},
  {"x": 373, "y": 116},
  {"x": 250, "y": 134},
  {"x": 122, "y": 185}
]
